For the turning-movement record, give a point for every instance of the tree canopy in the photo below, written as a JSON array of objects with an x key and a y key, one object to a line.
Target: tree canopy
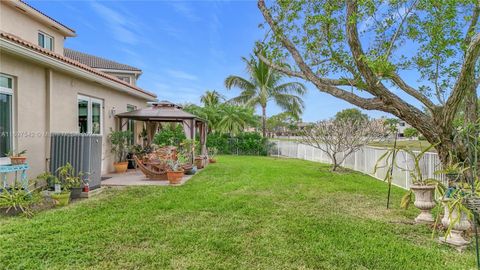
[
  {"x": 366, "y": 52},
  {"x": 351, "y": 114}
]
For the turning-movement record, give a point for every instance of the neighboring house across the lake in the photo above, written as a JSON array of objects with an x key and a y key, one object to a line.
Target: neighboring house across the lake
[
  {"x": 46, "y": 88},
  {"x": 401, "y": 126}
]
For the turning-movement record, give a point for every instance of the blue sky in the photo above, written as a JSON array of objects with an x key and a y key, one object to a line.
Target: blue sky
[{"x": 183, "y": 47}]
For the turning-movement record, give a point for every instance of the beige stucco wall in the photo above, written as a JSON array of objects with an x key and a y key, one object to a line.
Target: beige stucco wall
[
  {"x": 31, "y": 107},
  {"x": 15, "y": 22}
]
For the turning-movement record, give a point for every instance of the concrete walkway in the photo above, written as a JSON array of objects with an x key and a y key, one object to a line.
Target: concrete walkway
[{"x": 137, "y": 178}]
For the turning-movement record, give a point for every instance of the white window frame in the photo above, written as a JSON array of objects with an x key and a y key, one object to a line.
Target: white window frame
[
  {"x": 10, "y": 92},
  {"x": 130, "y": 106},
  {"x": 45, "y": 36},
  {"x": 90, "y": 101}
]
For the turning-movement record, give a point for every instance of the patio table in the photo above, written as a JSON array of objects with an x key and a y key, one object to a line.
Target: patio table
[{"x": 5, "y": 169}]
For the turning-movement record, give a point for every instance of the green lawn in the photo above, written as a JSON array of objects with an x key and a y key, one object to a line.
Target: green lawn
[{"x": 240, "y": 213}]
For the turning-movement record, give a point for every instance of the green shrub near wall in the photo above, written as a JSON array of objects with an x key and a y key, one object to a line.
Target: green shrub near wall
[{"x": 246, "y": 143}]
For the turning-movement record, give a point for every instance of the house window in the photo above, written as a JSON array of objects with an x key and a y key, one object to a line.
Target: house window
[
  {"x": 6, "y": 115},
  {"x": 131, "y": 124},
  {"x": 45, "y": 41},
  {"x": 124, "y": 78},
  {"x": 90, "y": 115}
]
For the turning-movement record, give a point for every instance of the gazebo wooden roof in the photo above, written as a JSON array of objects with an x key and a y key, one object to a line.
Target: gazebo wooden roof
[{"x": 163, "y": 111}]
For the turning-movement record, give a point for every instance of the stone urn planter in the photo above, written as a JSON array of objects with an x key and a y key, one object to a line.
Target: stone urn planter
[
  {"x": 424, "y": 201},
  {"x": 461, "y": 224}
]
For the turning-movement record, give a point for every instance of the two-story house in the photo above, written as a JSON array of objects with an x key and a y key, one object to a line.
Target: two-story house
[{"x": 45, "y": 87}]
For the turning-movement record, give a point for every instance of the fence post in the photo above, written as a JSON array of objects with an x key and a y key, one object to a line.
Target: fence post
[
  {"x": 365, "y": 159},
  {"x": 407, "y": 175}
]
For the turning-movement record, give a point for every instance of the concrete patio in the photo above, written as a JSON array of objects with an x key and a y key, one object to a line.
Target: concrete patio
[{"x": 136, "y": 178}]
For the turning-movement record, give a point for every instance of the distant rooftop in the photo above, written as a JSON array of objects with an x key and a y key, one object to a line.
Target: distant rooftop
[{"x": 97, "y": 62}]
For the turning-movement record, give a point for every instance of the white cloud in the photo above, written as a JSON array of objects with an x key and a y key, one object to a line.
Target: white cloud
[
  {"x": 186, "y": 11},
  {"x": 178, "y": 74},
  {"x": 122, "y": 28}
]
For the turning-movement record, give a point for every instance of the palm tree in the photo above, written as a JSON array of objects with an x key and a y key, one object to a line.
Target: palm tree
[
  {"x": 211, "y": 98},
  {"x": 234, "y": 119},
  {"x": 225, "y": 117},
  {"x": 264, "y": 85}
]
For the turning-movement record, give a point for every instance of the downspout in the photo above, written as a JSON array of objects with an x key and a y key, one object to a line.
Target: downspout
[{"x": 48, "y": 115}]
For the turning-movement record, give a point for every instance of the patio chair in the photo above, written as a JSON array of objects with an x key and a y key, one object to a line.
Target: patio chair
[{"x": 149, "y": 173}]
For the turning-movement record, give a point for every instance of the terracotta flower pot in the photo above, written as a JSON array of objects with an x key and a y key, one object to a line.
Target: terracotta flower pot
[
  {"x": 121, "y": 167},
  {"x": 174, "y": 177},
  {"x": 211, "y": 160},
  {"x": 18, "y": 160},
  {"x": 424, "y": 202}
]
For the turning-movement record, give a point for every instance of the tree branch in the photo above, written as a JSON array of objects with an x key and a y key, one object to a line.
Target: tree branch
[
  {"x": 473, "y": 23},
  {"x": 397, "y": 32},
  {"x": 384, "y": 100},
  {"x": 290, "y": 72},
  {"x": 465, "y": 82},
  {"x": 324, "y": 85},
  {"x": 412, "y": 91}
]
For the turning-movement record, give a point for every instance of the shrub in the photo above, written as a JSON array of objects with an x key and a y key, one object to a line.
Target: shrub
[
  {"x": 245, "y": 143},
  {"x": 170, "y": 136},
  {"x": 410, "y": 132}
]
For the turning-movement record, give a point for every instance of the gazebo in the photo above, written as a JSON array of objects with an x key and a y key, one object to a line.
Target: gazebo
[{"x": 167, "y": 112}]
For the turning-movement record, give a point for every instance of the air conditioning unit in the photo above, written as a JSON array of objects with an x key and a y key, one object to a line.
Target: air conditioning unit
[{"x": 83, "y": 151}]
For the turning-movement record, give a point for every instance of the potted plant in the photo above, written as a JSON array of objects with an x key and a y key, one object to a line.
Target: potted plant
[
  {"x": 174, "y": 171},
  {"x": 70, "y": 180},
  {"x": 212, "y": 152},
  {"x": 18, "y": 158},
  {"x": 456, "y": 217},
  {"x": 422, "y": 189},
  {"x": 66, "y": 186},
  {"x": 186, "y": 151},
  {"x": 199, "y": 162},
  {"x": 119, "y": 147},
  {"x": 17, "y": 200}
]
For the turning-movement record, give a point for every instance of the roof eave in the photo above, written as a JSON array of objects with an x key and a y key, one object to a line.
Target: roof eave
[
  {"x": 39, "y": 16},
  {"x": 16, "y": 49}
]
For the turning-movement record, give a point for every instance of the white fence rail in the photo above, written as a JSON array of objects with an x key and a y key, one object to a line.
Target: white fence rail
[{"x": 364, "y": 161}]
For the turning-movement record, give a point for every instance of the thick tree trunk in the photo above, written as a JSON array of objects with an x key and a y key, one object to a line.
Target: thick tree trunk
[{"x": 264, "y": 121}]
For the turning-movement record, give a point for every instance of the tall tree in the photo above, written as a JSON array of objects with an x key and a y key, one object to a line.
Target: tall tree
[
  {"x": 225, "y": 117},
  {"x": 264, "y": 85},
  {"x": 352, "y": 46}
]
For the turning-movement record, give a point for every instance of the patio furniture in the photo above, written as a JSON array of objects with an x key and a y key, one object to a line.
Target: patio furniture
[{"x": 149, "y": 173}]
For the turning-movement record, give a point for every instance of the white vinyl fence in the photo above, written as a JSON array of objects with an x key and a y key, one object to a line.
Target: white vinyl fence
[{"x": 364, "y": 161}]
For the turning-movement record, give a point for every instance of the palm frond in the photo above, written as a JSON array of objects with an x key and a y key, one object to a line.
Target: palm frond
[
  {"x": 238, "y": 82},
  {"x": 291, "y": 87}
]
